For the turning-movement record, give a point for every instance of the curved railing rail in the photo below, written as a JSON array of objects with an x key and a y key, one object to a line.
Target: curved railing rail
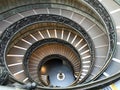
[
  {"x": 96, "y": 5},
  {"x": 19, "y": 9},
  {"x": 92, "y": 85},
  {"x": 3, "y": 74}
]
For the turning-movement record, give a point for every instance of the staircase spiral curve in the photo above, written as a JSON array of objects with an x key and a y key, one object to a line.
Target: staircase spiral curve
[{"x": 40, "y": 38}]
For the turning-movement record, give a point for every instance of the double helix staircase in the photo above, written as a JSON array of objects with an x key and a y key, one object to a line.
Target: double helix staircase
[{"x": 89, "y": 27}]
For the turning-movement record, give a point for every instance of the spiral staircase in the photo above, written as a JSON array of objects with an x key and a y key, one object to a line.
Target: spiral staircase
[{"x": 60, "y": 44}]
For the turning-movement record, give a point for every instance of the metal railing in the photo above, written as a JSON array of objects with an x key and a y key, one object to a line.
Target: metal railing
[
  {"x": 97, "y": 6},
  {"x": 19, "y": 25}
]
